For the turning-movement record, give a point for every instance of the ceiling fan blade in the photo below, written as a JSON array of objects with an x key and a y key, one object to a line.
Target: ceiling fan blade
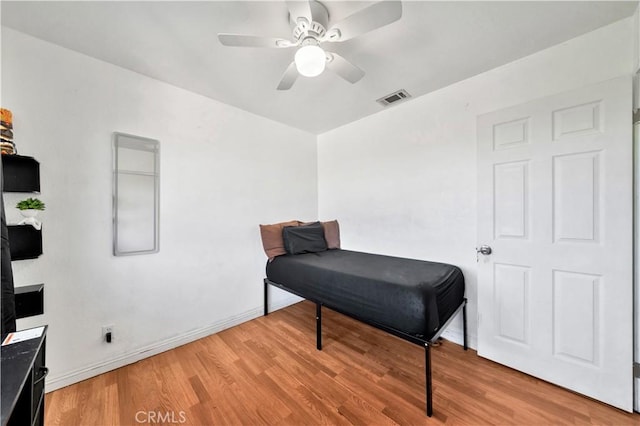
[
  {"x": 239, "y": 40},
  {"x": 289, "y": 77},
  {"x": 299, "y": 8},
  {"x": 344, "y": 68},
  {"x": 368, "y": 19}
]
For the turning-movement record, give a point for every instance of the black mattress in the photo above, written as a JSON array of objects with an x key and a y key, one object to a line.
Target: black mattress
[{"x": 413, "y": 297}]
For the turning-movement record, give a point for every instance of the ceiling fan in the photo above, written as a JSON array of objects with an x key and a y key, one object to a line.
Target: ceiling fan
[{"x": 311, "y": 27}]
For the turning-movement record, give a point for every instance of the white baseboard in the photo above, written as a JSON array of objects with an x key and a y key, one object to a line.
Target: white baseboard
[{"x": 56, "y": 382}]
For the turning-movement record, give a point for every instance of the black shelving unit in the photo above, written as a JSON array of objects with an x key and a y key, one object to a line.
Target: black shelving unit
[{"x": 20, "y": 173}]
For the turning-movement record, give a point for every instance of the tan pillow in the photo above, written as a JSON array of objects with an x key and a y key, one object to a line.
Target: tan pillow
[
  {"x": 332, "y": 234},
  {"x": 272, "y": 238}
]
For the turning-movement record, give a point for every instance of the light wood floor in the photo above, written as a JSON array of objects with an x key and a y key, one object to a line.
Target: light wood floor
[{"x": 267, "y": 371}]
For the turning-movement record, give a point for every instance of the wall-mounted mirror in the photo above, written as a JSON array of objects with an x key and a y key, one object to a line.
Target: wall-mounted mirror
[{"x": 136, "y": 188}]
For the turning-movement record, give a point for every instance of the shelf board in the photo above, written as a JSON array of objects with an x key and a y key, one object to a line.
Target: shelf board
[
  {"x": 29, "y": 300},
  {"x": 25, "y": 242},
  {"x": 20, "y": 174}
]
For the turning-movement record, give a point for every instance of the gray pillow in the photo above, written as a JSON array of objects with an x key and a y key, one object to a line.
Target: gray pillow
[{"x": 304, "y": 239}]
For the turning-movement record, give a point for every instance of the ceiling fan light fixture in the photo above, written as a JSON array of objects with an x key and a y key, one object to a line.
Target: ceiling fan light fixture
[{"x": 310, "y": 60}]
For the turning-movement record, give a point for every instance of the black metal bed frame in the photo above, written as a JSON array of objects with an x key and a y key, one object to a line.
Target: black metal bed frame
[{"x": 408, "y": 337}]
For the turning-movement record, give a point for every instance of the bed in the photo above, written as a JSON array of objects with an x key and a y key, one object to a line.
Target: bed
[{"x": 411, "y": 299}]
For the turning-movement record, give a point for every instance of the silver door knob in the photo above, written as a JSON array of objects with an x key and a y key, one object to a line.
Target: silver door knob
[{"x": 486, "y": 250}]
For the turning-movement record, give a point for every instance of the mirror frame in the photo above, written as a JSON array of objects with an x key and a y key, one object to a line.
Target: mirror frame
[{"x": 127, "y": 141}]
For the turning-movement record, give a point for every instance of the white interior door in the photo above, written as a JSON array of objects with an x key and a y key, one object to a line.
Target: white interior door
[{"x": 555, "y": 296}]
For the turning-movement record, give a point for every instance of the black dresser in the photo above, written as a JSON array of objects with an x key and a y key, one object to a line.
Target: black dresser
[{"x": 22, "y": 382}]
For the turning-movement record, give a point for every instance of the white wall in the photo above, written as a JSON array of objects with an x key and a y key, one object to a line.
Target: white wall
[
  {"x": 223, "y": 171},
  {"x": 403, "y": 182}
]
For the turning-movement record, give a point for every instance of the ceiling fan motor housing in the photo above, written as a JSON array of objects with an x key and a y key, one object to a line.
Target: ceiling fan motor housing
[{"x": 317, "y": 28}]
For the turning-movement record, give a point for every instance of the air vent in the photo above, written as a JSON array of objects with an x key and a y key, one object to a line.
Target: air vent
[{"x": 394, "y": 97}]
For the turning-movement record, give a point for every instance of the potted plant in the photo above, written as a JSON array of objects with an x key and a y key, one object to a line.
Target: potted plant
[{"x": 30, "y": 207}]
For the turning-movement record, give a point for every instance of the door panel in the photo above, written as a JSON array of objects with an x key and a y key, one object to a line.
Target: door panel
[
  {"x": 511, "y": 294},
  {"x": 576, "y": 197},
  {"x": 555, "y": 204},
  {"x": 578, "y": 120},
  {"x": 511, "y": 194},
  {"x": 576, "y": 305}
]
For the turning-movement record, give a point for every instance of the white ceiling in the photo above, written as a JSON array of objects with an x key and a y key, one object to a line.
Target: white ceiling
[{"x": 433, "y": 45}]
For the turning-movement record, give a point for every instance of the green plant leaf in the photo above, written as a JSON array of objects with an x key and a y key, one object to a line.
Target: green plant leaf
[{"x": 30, "y": 203}]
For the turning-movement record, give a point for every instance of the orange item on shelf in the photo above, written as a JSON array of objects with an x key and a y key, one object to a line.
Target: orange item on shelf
[{"x": 6, "y": 116}]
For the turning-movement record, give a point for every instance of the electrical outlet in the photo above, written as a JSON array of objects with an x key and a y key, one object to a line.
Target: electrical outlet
[{"x": 107, "y": 333}]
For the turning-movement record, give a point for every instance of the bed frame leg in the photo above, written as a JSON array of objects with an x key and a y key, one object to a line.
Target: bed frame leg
[
  {"x": 464, "y": 324},
  {"x": 266, "y": 297},
  {"x": 427, "y": 368},
  {"x": 319, "y": 326}
]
